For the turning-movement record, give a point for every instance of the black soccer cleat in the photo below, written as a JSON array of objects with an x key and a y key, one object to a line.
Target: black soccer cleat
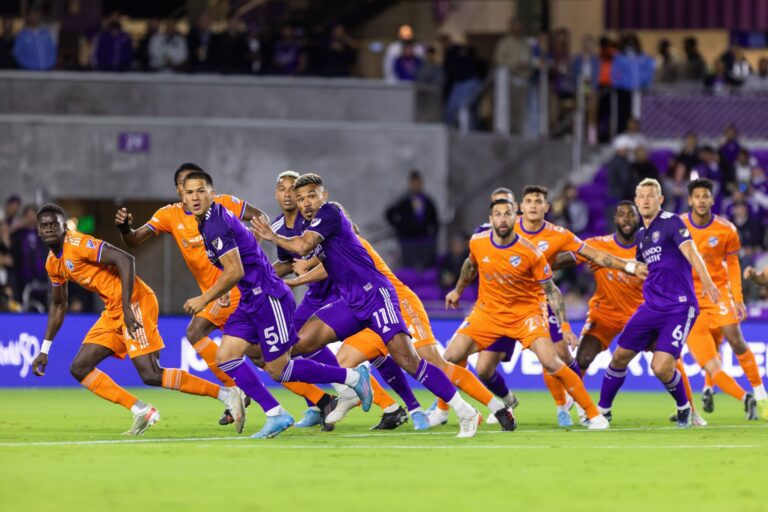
[
  {"x": 609, "y": 416},
  {"x": 506, "y": 419},
  {"x": 750, "y": 407},
  {"x": 684, "y": 418},
  {"x": 226, "y": 418},
  {"x": 708, "y": 400},
  {"x": 392, "y": 420},
  {"x": 325, "y": 410}
]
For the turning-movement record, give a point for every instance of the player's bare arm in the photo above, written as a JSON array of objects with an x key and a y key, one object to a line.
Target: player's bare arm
[
  {"x": 126, "y": 269},
  {"x": 302, "y": 266},
  {"x": 602, "y": 258},
  {"x": 691, "y": 253},
  {"x": 760, "y": 278},
  {"x": 301, "y": 245},
  {"x": 253, "y": 212},
  {"x": 557, "y": 303},
  {"x": 231, "y": 273},
  {"x": 315, "y": 274},
  {"x": 734, "y": 274},
  {"x": 564, "y": 260},
  {"x": 282, "y": 268},
  {"x": 131, "y": 237},
  {"x": 56, "y": 313},
  {"x": 467, "y": 275}
]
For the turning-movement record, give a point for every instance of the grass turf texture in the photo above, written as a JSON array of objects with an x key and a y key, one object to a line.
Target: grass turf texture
[{"x": 189, "y": 462}]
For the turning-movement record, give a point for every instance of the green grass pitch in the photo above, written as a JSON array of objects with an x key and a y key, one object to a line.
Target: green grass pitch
[{"x": 62, "y": 450}]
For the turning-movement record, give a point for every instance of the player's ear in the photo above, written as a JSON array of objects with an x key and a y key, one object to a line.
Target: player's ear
[{"x": 325, "y": 194}]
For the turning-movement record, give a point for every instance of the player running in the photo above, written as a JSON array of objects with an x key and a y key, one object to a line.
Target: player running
[
  {"x": 127, "y": 326},
  {"x": 662, "y": 321},
  {"x": 264, "y": 315},
  {"x": 511, "y": 270},
  {"x": 367, "y": 297},
  {"x": 718, "y": 243}
]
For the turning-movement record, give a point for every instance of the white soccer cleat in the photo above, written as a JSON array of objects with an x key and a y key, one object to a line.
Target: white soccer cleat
[
  {"x": 235, "y": 402},
  {"x": 142, "y": 420},
  {"x": 697, "y": 420},
  {"x": 491, "y": 419},
  {"x": 342, "y": 409},
  {"x": 599, "y": 423},
  {"x": 583, "y": 419},
  {"x": 468, "y": 425},
  {"x": 437, "y": 417}
]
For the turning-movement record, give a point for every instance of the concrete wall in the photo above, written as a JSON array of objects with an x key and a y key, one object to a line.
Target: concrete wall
[{"x": 142, "y": 94}]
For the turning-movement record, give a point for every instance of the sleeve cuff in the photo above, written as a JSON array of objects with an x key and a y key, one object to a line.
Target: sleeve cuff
[
  {"x": 151, "y": 227},
  {"x": 101, "y": 248}
]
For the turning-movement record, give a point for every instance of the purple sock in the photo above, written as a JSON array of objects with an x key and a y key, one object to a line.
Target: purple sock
[
  {"x": 395, "y": 377},
  {"x": 248, "y": 380},
  {"x": 324, "y": 356},
  {"x": 435, "y": 380},
  {"x": 612, "y": 382},
  {"x": 496, "y": 385},
  {"x": 573, "y": 365},
  {"x": 306, "y": 370},
  {"x": 676, "y": 388}
]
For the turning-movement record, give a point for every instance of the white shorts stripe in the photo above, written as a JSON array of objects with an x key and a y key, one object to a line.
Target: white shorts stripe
[
  {"x": 388, "y": 305},
  {"x": 277, "y": 310}
]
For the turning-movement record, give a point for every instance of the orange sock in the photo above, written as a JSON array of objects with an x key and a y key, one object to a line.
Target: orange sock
[
  {"x": 442, "y": 405},
  {"x": 555, "y": 388},
  {"x": 708, "y": 382},
  {"x": 729, "y": 385},
  {"x": 466, "y": 381},
  {"x": 99, "y": 383},
  {"x": 575, "y": 387},
  {"x": 206, "y": 349},
  {"x": 686, "y": 383},
  {"x": 749, "y": 365},
  {"x": 380, "y": 396},
  {"x": 173, "y": 378},
  {"x": 308, "y": 391}
]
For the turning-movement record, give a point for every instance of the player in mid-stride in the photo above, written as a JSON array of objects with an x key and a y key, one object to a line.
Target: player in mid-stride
[{"x": 670, "y": 306}]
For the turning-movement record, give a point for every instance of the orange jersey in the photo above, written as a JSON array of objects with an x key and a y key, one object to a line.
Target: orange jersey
[
  {"x": 617, "y": 295},
  {"x": 510, "y": 276},
  {"x": 715, "y": 242},
  {"x": 174, "y": 219},
  {"x": 80, "y": 262},
  {"x": 551, "y": 239}
]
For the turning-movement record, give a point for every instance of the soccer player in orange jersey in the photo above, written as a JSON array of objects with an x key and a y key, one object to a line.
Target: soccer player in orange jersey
[
  {"x": 718, "y": 242},
  {"x": 511, "y": 271},
  {"x": 551, "y": 240},
  {"x": 175, "y": 220},
  {"x": 128, "y": 324}
]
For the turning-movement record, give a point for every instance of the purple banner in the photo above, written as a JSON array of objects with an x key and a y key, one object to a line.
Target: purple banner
[
  {"x": 686, "y": 14},
  {"x": 133, "y": 142}
]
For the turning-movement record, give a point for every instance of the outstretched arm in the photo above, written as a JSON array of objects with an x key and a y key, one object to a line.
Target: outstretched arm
[
  {"x": 603, "y": 259},
  {"x": 317, "y": 273},
  {"x": 301, "y": 245},
  {"x": 131, "y": 237},
  {"x": 56, "y": 313},
  {"x": 708, "y": 288}
]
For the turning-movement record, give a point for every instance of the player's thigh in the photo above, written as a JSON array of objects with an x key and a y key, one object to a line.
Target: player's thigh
[
  {"x": 701, "y": 343},
  {"x": 563, "y": 351},
  {"x": 589, "y": 348},
  {"x": 147, "y": 339},
  {"x": 735, "y": 337},
  {"x": 88, "y": 356},
  {"x": 367, "y": 343},
  {"x": 198, "y": 328},
  {"x": 349, "y": 356},
  {"x": 459, "y": 348},
  {"x": 487, "y": 362},
  {"x": 314, "y": 335},
  {"x": 231, "y": 348}
]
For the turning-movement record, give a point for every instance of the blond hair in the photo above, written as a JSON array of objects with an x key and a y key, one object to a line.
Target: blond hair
[{"x": 650, "y": 182}]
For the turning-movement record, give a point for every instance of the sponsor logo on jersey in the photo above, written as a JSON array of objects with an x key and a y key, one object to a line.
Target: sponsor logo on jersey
[{"x": 514, "y": 260}]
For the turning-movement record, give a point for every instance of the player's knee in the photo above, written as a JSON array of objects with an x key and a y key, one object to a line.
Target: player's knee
[
  {"x": 151, "y": 377},
  {"x": 194, "y": 334},
  {"x": 583, "y": 360},
  {"x": 485, "y": 371},
  {"x": 80, "y": 370},
  {"x": 551, "y": 364},
  {"x": 738, "y": 344},
  {"x": 408, "y": 362},
  {"x": 664, "y": 370}
]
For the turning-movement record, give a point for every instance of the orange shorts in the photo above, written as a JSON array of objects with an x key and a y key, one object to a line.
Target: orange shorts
[
  {"x": 603, "y": 327},
  {"x": 110, "y": 332},
  {"x": 489, "y": 331},
  {"x": 218, "y": 314},
  {"x": 368, "y": 343}
]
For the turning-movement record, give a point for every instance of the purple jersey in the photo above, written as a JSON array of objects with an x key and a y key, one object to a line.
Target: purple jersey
[
  {"x": 320, "y": 292},
  {"x": 344, "y": 257},
  {"x": 485, "y": 226},
  {"x": 669, "y": 285},
  {"x": 223, "y": 232}
]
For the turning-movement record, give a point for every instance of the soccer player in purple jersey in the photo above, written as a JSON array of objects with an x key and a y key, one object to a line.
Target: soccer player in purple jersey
[
  {"x": 367, "y": 297},
  {"x": 264, "y": 315},
  {"x": 670, "y": 306}
]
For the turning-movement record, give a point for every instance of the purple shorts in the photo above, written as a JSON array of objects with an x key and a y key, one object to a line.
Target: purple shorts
[
  {"x": 304, "y": 312},
  {"x": 381, "y": 315},
  {"x": 669, "y": 329},
  {"x": 270, "y": 324},
  {"x": 505, "y": 346},
  {"x": 554, "y": 330}
]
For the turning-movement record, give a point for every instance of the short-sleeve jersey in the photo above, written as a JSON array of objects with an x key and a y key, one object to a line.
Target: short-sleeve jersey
[
  {"x": 222, "y": 233},
  {"x": 80, "y": 262},
  {"x": 174, "y": 219},
  {"x": 510, "y": 276},
  {"x": 551, "y": 239},
  {"x": 715, "y": 242},
  {"x": 669, "y": 285}
]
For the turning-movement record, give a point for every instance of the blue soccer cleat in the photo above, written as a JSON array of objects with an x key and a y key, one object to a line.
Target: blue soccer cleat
[
  {"x": 363, "y": 387},
  {"x": 311, "y": 418},
  {"x": 420, "y": 421},
  {"x": 273, "y": 426},
  {"x": 564, "y": 419}
]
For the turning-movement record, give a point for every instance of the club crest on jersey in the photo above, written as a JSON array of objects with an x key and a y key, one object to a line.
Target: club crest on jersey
[
  {"x": 69, "y": 265},
  {"x": 543, "y": 245},
  {"x": 514, "y": 260},
  {"x": 89, "y": 244},
  {"x": 315, "y": 222},
  {"x": 655, "y": 236},
  {"x": 684, "y": 232},
  {"x": 217, "y": 244},
  {"x": 713, "y": 241}
]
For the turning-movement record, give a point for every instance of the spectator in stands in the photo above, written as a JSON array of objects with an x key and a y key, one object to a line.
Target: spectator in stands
[
  {"x": 541, "y": 64},
  {"x": 142, "y": 51},
  {"x": 289, "y": 55},
  {"x": 395, "y": 49},
  {"x": 570, "y": 211},
  {"x": 34, "y": 48},
  {"x": 199, "y": 40},
  {"x": 450, "y": 264},
  {"x": 112, "y": 47},
  {"x": 736, "y": 64},
  {"x": 168, "y": 50},
  {"x": 694, "y": 67},
  {"x": 28, "y": 252},
  {"x": 11, "y": 209},
  {"x": 6, "y": 267},
  {"x": 230, "y": 49},
  {"x": 730, "y": 146},
  {"x": 716, "y": 169},
  {"x": 720, "y": 81},
  {"x": 759, "y": 191},
  {"x": 407, "y": 65},
  {"x": 585, "y": 74},
  {"x": 675, "y": 186},
  {"x": 431, "y": 71},
  {"x": 256, "y": 62},
  {"x": 560, "y": 83},
  {"x": 632, "y": 72},
  {"x": 633, "y": 133},
  {"x": 79, "y": 23},
  {"x": 667, "y": 68},
  {"x": 340, "y": 53},
  {"x": 6, "y": 44},
  {"x": 743, "y": 169},
  {"x": 751, "y": 230},
  {"x": 513, "y": 51},
  {"x": 414, "y": 218},
  {"x": 620, "y": 177},
  {"x": 642, "y": 167},
  {"x": 689, "y": 154},
  {"x": 463, "y": 73},
  {"x": 606, "y": 53}
]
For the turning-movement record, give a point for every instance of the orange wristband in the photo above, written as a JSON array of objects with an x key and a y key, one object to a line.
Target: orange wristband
[{"x": 566, "y": 327}]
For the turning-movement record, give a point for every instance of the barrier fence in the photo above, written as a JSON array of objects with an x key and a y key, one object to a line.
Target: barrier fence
[{"x": 21, "y": 336}]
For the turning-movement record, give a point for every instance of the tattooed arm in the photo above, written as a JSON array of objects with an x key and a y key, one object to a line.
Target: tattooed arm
[
  {"x": 604, "y": 259},
  {"x": 557, "y": 303},
  {"x": 468, "y": 274}
]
